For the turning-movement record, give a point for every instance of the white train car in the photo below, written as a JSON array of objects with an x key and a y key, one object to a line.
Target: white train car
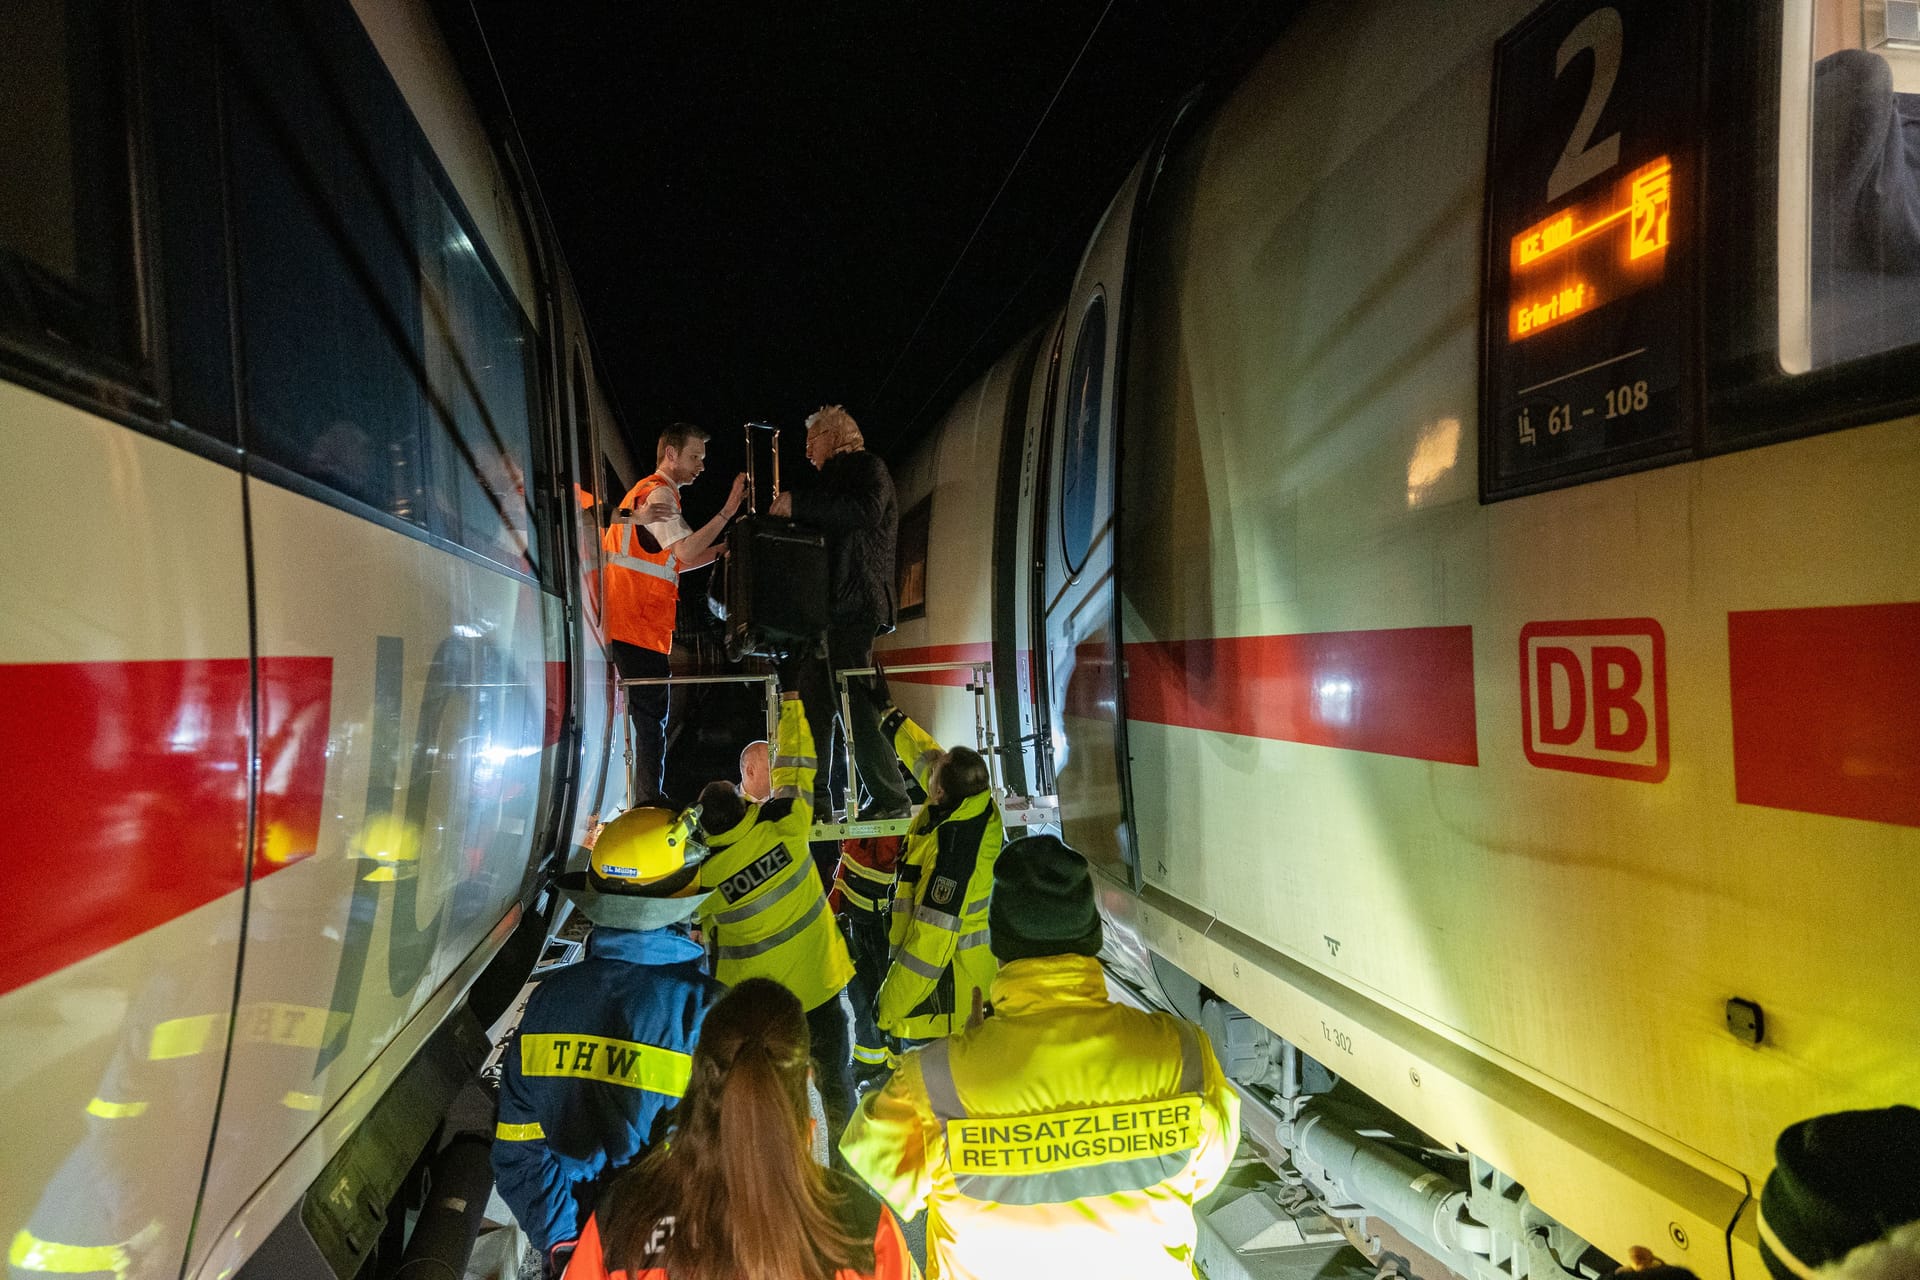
[
  {"x": 303, "y": 683},
  {"x": 1457, "y": 547}
]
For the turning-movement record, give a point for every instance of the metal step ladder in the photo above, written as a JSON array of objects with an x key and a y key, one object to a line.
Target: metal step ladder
[{"x": 1017, "y": 812}]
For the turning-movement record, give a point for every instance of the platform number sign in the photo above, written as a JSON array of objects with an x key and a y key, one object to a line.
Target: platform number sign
[{"x": 1587, "y": 317}]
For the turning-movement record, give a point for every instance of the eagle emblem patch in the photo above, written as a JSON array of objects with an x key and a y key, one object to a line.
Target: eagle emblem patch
[{"x": 942, "y": 891}]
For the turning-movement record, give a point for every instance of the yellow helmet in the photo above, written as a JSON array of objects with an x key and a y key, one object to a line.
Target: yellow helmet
[
  {"x": 386, "y": 839},
  {"x": 642, "y": 872},
  {"x": 644, "y": 846}
]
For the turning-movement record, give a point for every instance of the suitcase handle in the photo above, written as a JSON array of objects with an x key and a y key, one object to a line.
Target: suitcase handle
[
  {"x": 773, "y": 533},
  {"x": 753, "y": 484}
]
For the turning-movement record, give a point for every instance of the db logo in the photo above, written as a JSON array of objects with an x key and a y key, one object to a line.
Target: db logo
[{"x": 1593, "y": 697}]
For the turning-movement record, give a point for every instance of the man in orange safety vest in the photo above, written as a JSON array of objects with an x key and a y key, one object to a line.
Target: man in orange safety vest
[{"x": 649, "y": 546}]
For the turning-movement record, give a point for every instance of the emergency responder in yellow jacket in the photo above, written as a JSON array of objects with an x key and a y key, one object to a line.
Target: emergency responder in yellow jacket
[
  {"x": 767, "y": 915},
  {"x": 938, "y": 934},
  {"x": 1065, "y": 1135},
  {"x": 862, "y": 896}
]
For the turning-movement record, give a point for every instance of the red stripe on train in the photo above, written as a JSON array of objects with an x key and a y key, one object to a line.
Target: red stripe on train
[
  {"x": 1826, "y": 710},
  {"x": 296, "y": 708},
  {"x": 1401, "y": 692},
  {"x": 977, "y": 651},
  {"x": 125, "y": 799}
]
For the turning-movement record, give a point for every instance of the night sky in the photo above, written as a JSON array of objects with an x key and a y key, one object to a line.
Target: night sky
[{"x": 761, "y": 203}]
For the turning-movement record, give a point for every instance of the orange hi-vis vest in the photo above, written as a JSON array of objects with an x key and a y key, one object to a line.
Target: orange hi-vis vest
[{"x": 643, "y": 589}]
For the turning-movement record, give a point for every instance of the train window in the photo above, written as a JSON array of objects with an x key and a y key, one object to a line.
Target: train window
[
  {"x": 479, "y": 384},
  {"x": 1849, "y": 226},
  {"x": 67, "y": 279},
  {"x": 911, "y": 587},
  {"x": 584, "y": 480},
  {"x": 327, "y": 291},
  {"x": 1086, "y": 392},
  {"x": 382, "y": 358},
  {"x": 1815, "y": 281}
]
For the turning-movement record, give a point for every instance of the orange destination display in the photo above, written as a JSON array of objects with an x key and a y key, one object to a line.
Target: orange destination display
[
  {"x": 1587, "y": 314},
  {"x": 1583, "y": 257}
]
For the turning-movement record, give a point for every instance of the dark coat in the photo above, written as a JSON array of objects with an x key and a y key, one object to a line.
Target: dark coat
[{"x": 853, "y": 503}]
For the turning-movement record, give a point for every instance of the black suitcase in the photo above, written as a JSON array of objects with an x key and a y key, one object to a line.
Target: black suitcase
[{"x": 776, "y": 588}]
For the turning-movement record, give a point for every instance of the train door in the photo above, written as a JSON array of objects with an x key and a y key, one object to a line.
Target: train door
[
  {"x": 1080, "y": 711},
  {"x": 1023, "y": 758},
  {"x": 1075, "y": 605}
]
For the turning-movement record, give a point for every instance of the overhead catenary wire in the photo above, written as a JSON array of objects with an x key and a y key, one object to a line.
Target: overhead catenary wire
[
  {"x": 1065, "y": 231},
  {"x": 901, "y": 355}
]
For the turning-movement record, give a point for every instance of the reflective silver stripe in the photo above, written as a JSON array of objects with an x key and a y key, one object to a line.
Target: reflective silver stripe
[
  {"x": 785, "y": 793},
  {"x": 1771, "y": 1239},
  {"x": 1072, "y": 1184},
  {"x": 647, "y": 567},
  {"x": 748, "y": 910},
  {"x": 978, "y": 905},
  {"x": 748, "y": 950},
  {"x": 866, "y": 872},
  {"x": 937, "y": 918},
  {"x": 907, "y": 960},
  {"x": 625, "y": 559},
  {"x": 978, "y": 938},
  {"x": 1060, "y": 1186},
  {"x": 795, "y": 762},
  {"x": 936, "y": 1073},
  {"x": 1190, "y": 1059}
]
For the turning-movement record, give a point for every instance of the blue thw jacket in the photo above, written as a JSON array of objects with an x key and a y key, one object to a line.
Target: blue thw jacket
[{"x": 603, "y": 1051}]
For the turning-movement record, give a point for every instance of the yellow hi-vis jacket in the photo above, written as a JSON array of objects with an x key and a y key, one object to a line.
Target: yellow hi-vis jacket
[
  {"x": 1064, "y": 1136},
  {"x": 767, "y": 915},
  {"x": 938, "y": 935}
]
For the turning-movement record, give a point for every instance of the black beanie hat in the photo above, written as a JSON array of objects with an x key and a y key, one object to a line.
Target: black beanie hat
[
  {"x": 1839, "y": 1181},
  {"x": 1042, "y": 902}
]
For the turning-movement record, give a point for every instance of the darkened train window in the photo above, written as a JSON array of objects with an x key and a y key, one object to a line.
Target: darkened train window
[
  {"x": 480, "y": 387},
  {"x": 1815, "y": 283},
  {"x": 911, "y": 586},
  {"x": 383, "y": 356},
  {"x": 1080, "y": 459},
  {"x": 67, "y": 283},
  {"x": 328, "y": 292},
  {"x": 584, "y": 480},
  {"x": 1849, "y": 229}
]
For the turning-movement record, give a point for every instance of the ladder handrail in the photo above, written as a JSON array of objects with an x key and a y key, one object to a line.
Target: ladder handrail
[
  {"x": 985, "y": 717},
  {"x": 985, "y": 709}
]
